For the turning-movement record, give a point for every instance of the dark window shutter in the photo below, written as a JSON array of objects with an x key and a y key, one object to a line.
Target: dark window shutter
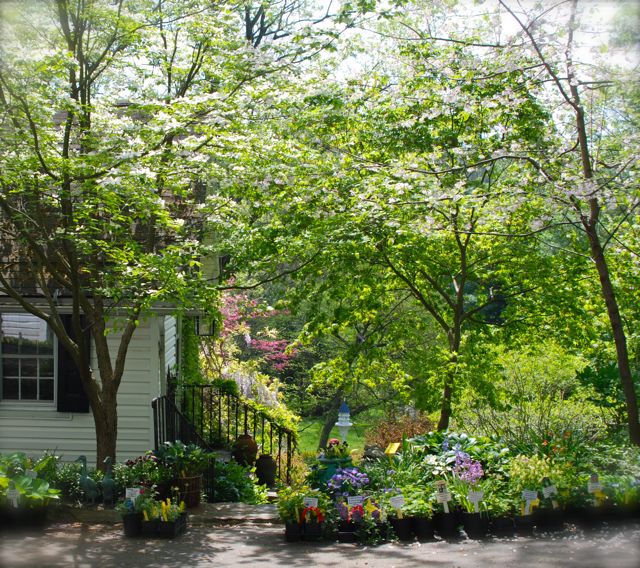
[{"x": 71, "y": 395}]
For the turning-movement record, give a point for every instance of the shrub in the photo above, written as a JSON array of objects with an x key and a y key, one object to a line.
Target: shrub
[{"x": 393, "y": 428}]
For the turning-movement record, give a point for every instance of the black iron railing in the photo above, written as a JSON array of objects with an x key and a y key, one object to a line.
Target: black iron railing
[
  {"x": 203, "y": 415},
  {"x": 169, "y": 425},
  {"x": 221, "y": 417}
]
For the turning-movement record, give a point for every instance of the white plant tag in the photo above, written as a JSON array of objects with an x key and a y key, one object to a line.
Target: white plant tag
[
  {"x": 310, "y": 501},
  {"x": 442, "y": 496},
  {"x": 132, "y": 493},
  {"x": 353, "y": 500},
  {"x": 30, "y": 473},
  {"x": 593, "y": 487},
  {"x": 549, "y": 491},
  {"x": 475, "y": 497},
  {"x": 529, "y": 495},
  {"x": 12, "y": 497},
  {"x": 397, "y": 501}
]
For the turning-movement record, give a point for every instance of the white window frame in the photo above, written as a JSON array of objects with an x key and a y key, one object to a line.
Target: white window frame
[{"x": 30, "y": 404}]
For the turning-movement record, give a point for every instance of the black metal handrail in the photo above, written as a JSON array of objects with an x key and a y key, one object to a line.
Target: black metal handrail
[
  {"x": 169, "y": 425},
  {"x": 220, "y": 417}
]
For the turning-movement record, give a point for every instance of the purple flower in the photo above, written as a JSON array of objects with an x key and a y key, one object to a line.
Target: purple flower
[
  {"x": 445, "y": 444},
  {"x": 343, "y": 511},
  {"x": 466, "y": 469}
]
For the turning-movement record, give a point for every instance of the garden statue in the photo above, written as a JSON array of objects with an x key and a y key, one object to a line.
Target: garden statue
[
  {"x": 108, "y": 484},
  {"x": 88, "y": 486}
]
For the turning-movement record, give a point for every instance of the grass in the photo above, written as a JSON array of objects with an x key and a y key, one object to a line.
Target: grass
[{"x": 309, "y": 431}]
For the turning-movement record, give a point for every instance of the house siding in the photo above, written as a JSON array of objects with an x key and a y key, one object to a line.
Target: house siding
[{"x": 34, "y": 430}]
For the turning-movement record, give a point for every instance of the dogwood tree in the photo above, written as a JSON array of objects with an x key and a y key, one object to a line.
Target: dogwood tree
[{"x": 105, "y": 110}]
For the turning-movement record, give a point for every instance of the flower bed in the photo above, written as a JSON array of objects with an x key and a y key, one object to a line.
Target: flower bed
[{"x": 445, "y": 485}]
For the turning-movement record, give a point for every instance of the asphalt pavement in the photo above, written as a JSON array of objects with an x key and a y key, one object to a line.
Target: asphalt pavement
[{"x": 88, "y": 545}]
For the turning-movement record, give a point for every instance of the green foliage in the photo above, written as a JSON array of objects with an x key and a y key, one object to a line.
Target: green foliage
[
  {"x": 233, "y": 482},
  {"x": 440, "y": 449},
  {"x": 190, "y": 372},
  {"x": 183, "y": 460},
  {"x": 419, "y": 500},
  {"x": 31, "y": 478},
  {"x": 291, "y": 502},
  {"x": 145, "y": 470},
  {"x": 536, "y": 396}
]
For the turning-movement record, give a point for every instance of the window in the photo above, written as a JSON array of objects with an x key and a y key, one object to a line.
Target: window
[
  {"x": 27, "y": 358},
  {"x": 35, "y": 367}
]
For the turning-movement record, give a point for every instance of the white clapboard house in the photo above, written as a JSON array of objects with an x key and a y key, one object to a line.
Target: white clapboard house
[{"x": 42, "y": 403}]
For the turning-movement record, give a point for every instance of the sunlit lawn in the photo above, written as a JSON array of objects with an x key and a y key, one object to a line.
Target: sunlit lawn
[{"x": 309, "y": 431}]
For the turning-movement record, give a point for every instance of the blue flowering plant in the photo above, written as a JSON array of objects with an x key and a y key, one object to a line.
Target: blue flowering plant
[{"x": 347, "y": 481}]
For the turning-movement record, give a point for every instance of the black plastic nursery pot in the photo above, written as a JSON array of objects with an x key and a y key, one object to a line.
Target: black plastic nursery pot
[
  {"x": 132, "y": 524},
  {"x": 548, "y": 520},
  {"x": 22, "y": 518},
  {"x": 524, "y": 524},
  {"x": 502, "y": 526},
  {"x": 292, "y": 532},
  {"x": 311, "y": 531},
  {"x": 475, "y": 525},
  {"x": 148, "y": 528},
  {"x": 423, "y": 528},
  {"x": 446, "y": 525},
  {"x": 403, "y": 528},
  {"x": 347, "y": 531}
]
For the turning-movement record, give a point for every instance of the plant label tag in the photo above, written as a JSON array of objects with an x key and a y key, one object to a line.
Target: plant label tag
[
  {"x": 392, "y": 448},
  {"x": 594, "y": 484},
  {"x": 441, "y": 486},
  {"x": 529, "y": 495},
  {"x": 132, "y": 493},
  {"x": 310, "y": 501},
  {"x": 30, "y": 473},
  {"x": 12, "y": 497},
  {"x": 443, "y": 497},
  {"x": 475, "y": 497},
  {"x": 397, "y": 501},
  {"x": 549, "y": 491},
  {"x": 354, "y": 500}
]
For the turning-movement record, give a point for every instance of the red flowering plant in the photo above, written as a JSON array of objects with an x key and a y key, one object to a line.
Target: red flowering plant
[
  {"x": 312, "y": 515},
  {"x": 356, "y": 514}
]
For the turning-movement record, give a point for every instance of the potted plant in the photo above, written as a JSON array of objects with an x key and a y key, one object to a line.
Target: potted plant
[
  {"x": 290, "y": 507},
  {"x": 419, "y": 507},
  {"x": 499, "y": 507},
  {"x": 25, "y": 490},
  {"x": 147, "y": 471},
  {"x": 187, "y": 462},
  {"x": 173, "y": 519},
  {"x": 468, "y": 494},
  {"x": 131, "y": 512},
  {"x": 312, "y": 519},
  {"x": 335, "y": 456}
]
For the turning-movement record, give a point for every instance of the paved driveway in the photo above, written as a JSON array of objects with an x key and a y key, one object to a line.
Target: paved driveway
[{"x": 82, "y": 545}]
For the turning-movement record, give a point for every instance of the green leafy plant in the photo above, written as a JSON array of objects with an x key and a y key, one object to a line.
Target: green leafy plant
[
  {"x": 233, "y": 482},
  {"x": 419, "y": 501},
  {"x": 291, "y": 503},
  {"x": 183, "y": 460}
]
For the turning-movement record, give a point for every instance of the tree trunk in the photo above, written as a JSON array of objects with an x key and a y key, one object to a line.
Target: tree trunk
[
  {"x": 330, "y": 420},
  {"x": 106, "y": 421},
  {"x": 617, "y": 328},
  {"x": 445, "y": 408}
]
